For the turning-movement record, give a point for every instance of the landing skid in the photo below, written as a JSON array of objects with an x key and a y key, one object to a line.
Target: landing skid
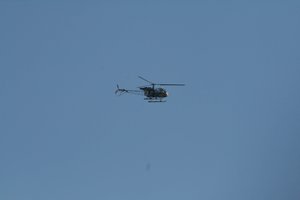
[{"x": 155, "y": 100}]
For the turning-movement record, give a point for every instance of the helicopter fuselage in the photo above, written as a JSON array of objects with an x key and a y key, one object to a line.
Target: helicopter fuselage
[{"x": 154, "y": 93}]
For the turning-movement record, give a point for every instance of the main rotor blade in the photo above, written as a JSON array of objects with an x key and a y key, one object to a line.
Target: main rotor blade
[
  {"x": 162, "y": 84},
  {"x": 146, "y": 80},
  {"x": 170, "y": 84}
]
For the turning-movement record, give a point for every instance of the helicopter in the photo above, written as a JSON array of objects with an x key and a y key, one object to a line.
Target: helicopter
[{"x": 152, "y": 93}]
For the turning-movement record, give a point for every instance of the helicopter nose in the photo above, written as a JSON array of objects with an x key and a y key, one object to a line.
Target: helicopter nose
[{"x": 167, "y": 94}]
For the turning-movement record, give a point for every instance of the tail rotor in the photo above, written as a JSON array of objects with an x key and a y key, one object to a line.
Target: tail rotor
[{"x": 120, "y": 91}]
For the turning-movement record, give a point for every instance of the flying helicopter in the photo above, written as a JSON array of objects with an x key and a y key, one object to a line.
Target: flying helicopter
[{"x": 152, "y": 93}]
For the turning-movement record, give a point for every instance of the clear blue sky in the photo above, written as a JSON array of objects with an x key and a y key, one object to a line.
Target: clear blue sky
[{"x": 231, "y": 133}]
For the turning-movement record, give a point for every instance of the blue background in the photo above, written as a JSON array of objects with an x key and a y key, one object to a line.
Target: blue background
[{"x": 231, "y": 133}]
